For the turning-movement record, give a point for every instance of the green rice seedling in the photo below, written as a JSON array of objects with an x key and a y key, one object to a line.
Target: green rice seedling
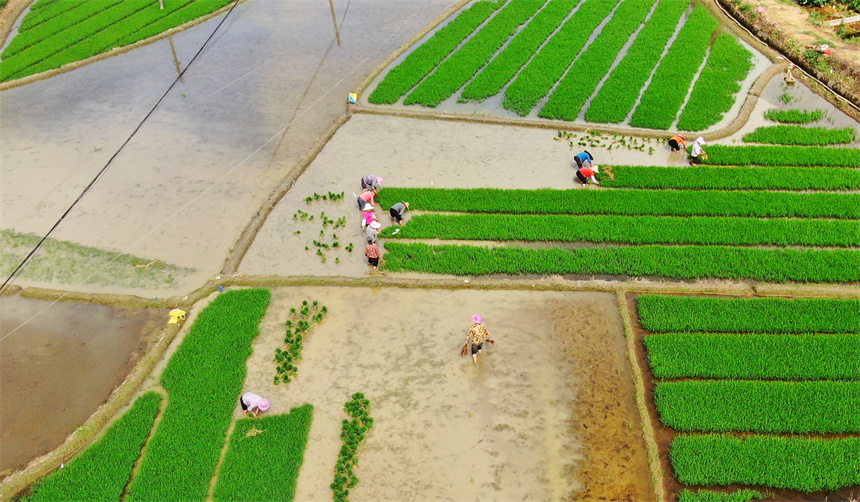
[
  {"x": 757, "y": 406},
  {"x": 794, "y": 116},
  {"x": 732, "y": 178},
  {"x": 264, "y": 457},
  {"x": 665, "y": 94},
  {"x": 755, "y": 356},
  {"x": 790, "y": 463},
  {"x": 203, "y": 379},
  {"x": 582, "y": 78},
  {"x": 547, "y": 66},
  {"x": 782, "y": 156},
  {"x": 661, "y": 314},
  {"x": 798, "y": 135},
  {"x": 428, "y": 55},
  {"x": 353, "y": 434},
  {"x": 678, "y": 262},
  {"x": 297, "y": 330},
  {"x": 712, "y": 496},
  {"x": 631, "y": 229},
  {"x": 455, "y": 71},
  {"x": 505, "y": 65},
  {"x": 618, "y": 94},
  {"x": 103, "y": 469},
  {"x": 713, "y": 94}
]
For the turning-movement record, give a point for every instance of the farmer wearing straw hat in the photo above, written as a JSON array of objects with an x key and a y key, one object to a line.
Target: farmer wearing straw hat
[
  {"x": 397, "y": 211},
  {"x": 253, "y": 404},
  {"x": 476, "y": 337},
  {"x": 583, "y": 159},
  {"x": 586, "y": 174}
]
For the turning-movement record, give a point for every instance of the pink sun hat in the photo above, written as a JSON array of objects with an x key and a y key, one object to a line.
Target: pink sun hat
[
  {"x": 264, "y": 405},
  {"x": 379, "y": 181},
  {"x": 477, "y": 319}
]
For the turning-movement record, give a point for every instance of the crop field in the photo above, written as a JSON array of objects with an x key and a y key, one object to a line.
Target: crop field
[
  {"x": 782, "y": 156},
  {"x": 794, "y": 116},
  {"x": 797, "y": 135},
  {"x": 58, "y": 33},
  {"x": 764, "y": 372},
  {"x": 529, "y": 57}
]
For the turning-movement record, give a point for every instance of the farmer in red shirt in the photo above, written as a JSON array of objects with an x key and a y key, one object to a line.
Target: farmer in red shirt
[{"x": 586, "y": 174}]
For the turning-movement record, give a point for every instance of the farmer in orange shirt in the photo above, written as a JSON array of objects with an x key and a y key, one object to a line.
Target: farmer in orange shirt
[{"x": 677, "y": 143}]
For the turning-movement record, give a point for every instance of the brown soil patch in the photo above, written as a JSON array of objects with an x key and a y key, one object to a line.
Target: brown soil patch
[{"x": 9, "y": 14}]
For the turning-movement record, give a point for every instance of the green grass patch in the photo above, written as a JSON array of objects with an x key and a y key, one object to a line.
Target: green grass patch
[
  {"x": 712, "y": 496},
  {"x": 631, "y": 229},
  {"x": 823, "y": 407},
  {"x": 677, "y": 262},
  {"x": 264, "y": 457},
  {"x": 794, "y": 116},
  {"x": 353, "y": 433},
  {"x": 660, "y": 313},
  {"x": 627, "y": 202},
  {"x": 782, "y": 156},
  {"x": 790, "y": 463},
  {"x": 798, "y": 135},
  {"x": 733, "y": 178},
  {"x": 754, "y": 356},
  {"x": 102, "y": 470},
  {"x": 204, "y": 379}
]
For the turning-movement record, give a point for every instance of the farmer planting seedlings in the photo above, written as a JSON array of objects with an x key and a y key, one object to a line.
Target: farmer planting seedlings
[
  {"x": 365, "y": 200},
  {"x": 475, "y": 338},
  {"x": 698, "y": 152},
  {"x": 676, "y": 143},
  {"x": 372, "y": 253},
  {"x": 586, "y": 174},
  {"x": 397, "y": 211},
  {"x": 583, "y": 159},
  {"x": 371, "y": 182},
  {"x": 372, "y": 231},
  {"x": 367, "y": 217},
  {"x": 252, "y": 404}
]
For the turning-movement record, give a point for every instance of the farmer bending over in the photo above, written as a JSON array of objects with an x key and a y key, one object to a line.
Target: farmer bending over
[
  {"x": 677, "y": 143},
  {"x": 583, "y": 159},
  {"x": 586, "y": 174},
  {"x": 397, "y": 211},
  {"x": 371, "y": 182},
  {"x": 253, "y": 404},
  {"x": 366, "y": 199},
  {"x": 698, "y": 152}
]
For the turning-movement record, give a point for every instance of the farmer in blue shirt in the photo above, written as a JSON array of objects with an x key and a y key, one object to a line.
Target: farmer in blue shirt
[{"x": 583, "y": 159}]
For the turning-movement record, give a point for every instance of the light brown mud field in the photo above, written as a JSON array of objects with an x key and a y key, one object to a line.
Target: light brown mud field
[{"x": 507, "y": 428}]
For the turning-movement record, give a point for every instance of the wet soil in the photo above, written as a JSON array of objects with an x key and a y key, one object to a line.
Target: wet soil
[
  {"x": 59, "y": 367},
  {"x": 513, "y": 427}
]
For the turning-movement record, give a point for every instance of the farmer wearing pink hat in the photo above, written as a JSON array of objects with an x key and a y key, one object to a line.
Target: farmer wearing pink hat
[
  {"x": 253, "y": 404},
  {"x": 476, "y": 337},
  {"x": 371, "y": 182}
]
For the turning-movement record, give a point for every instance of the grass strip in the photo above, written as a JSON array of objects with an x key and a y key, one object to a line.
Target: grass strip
[
  {"x": 632, "y": 229},
  {"x": 823, "y": 407},
  {"x": 794, "y": 116},
  {"x": 184, "y": 11},
  {"x": 353, "y": 433},
  {"x": 43, "y": 10},
  {"x": 455, "y": 71},
  {"x": 628, "y": 202},
  {"x": 712, "y": 496},
  {"x": 505, "y": 65},
  {"x": 732, "y": 178},
  {"x": 618, "y": 94},
  {"x": 714, "y": 92},
  {"x": 754, "y": 356},
  {"x": 798, "y": 135},
  {"x": 264, "y": 457},
  {"x": 790, "y": 463},
  {"x": 678, "y": 262},
  {"x": 581, "y": 80},
  {"x": 102, "y": 470},
  {"x": 666, "y": 93},
  {"x": 660, "y": 313},
  {"x": 782, "y": 156},
  {"x": 548, "y": 65},
  {"x": 428, "y": 55},
  {"x": 204, "y": 379}
]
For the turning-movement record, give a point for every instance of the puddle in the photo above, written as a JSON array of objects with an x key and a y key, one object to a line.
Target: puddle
[{"x": 59, "y": 368}]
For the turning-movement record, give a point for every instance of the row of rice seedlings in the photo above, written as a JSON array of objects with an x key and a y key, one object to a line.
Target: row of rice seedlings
[
  {"x": 353, "y": 434},
  {"x": 794, "y": 116},
  {"x": 782, "y": 156},
  {"x": 798, "y": 135},
  {"x": 298, "y": 328},
  {"x": 676, "y": 262},
  {"x": 714, "y": 496}
]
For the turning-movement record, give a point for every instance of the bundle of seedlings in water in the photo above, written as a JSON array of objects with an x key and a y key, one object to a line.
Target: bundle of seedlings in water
[
  {"x": 298, "y": 326},
  {"x": 352, "y": 434}
]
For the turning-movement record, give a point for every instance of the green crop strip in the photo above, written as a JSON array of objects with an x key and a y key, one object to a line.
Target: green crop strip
[
  {"x": 204, "y": 379},
  {"x": 102, "y": 470},
  {"x": 198, "y": 8},
  {"x": 668, "y": 88},
  {"x": 733, "y": 178},
  {"x": 798, "y": 135},
  {"x": 44, "y": 10},
  {"x": 754, "y": 315},
  {"x": 713, "y": 95},
  {"x": 631, "y": 229},
  {"x": 712, "y": 496},
  {"x": 794, "y": 116},
  {"x": 298, "y": 327},
  {"x": 454, "y": 72},
  {"x": 803, "y": 464},
  {"x": 581, "y": 80},
  {"x": 264, "y": 457},
  {"x": 679, "y": 262},
  {"x": 548, "y": 65},
  {"x": 505, "y": 65},
  {"x": 754, "y": 356},
  {"x": 353, "y": 433},
  {"x": 628, "y": 202},
  {"x": 782, "y": 156},
  {"x": 428, "y": 55},
  {"x": 618, "y": 94},
  {"x": 755, "y": 406}
]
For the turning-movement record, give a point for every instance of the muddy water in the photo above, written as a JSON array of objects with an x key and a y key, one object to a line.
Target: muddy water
[
  {"x": 445, "y": 428},
  {"x": 59, "y": 368},
  {"x": 273, "y": 63}
]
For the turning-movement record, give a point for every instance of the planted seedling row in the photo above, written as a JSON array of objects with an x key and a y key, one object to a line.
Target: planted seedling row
[
  {"x": 782, "y": 156},
  {"x": 794, "y": 116},
  {"x": 797, "y": 135},
  {"x": 298, "y": 328},
  {"x": 353, "y": 433}
]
